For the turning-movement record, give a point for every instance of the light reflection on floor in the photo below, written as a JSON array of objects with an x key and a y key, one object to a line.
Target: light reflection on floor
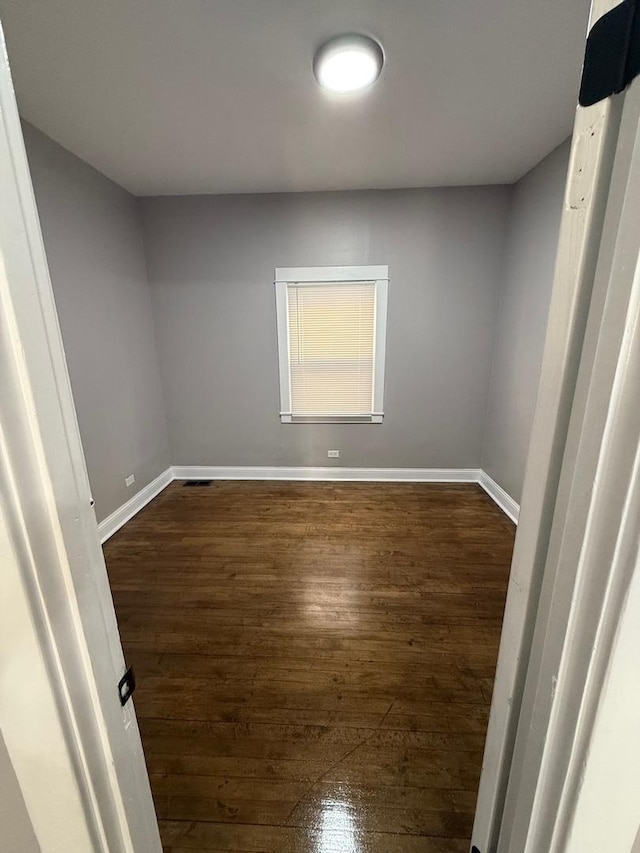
[
  {"x": 338, "y": 830},
  {"x": 322, "y": 600}
]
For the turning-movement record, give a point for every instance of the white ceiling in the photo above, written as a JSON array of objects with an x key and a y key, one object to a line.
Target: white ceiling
[{"x": 195, "y": 96}]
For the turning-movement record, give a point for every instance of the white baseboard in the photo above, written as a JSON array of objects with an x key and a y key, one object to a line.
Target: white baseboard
[
  {"x": 115, "y": 521},
  {"x": 374, "y": 475},
  {"x": 120, "y": 516},
  {"x": 500, "y": 497}
]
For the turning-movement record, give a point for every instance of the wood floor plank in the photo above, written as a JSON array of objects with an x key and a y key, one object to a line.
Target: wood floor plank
[
  {"x": 314, "y": 660},
  {"x": 336, "y": 837}
]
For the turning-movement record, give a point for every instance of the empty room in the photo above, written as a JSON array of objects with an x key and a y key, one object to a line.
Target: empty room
[{"x": 302, "y": 260}]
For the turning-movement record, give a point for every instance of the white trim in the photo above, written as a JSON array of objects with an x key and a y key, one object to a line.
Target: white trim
[
  {"x": 379, "y": 347},
  {"x": 499, "y": 496},
  {"x": 323, "y": 418},
  {"x": 282, "y": 326},
  {"x": 376, "y": 475},
  {"x": 132, "y": 507},
  {"x": 302, "y": 275},
  {"x": 329, "y": 415},
  {"x": 556, "y": 777},
  {"x": 593, "y": 150}
]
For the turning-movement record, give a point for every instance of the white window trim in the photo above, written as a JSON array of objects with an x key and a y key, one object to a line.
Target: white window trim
[{"x": 285, "y": 276}]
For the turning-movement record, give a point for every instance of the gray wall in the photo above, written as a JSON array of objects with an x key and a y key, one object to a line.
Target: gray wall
[
  {"x": 16, "y": 831},
  {"x": 471, "y": 272},
  {"x": 211, "y": 262},
  {"x": 96, "y": 257},
  {"x": 534, "y": 221}
]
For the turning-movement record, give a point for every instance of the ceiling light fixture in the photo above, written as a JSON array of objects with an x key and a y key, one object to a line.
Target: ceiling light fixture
[{"x": 348, "y": 63}]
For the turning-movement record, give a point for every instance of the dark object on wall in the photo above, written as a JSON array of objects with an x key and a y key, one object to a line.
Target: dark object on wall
[{"x": 612, "y": 55}]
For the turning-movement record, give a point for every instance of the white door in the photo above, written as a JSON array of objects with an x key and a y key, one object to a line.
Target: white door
[{"x": 76, "y": 752}]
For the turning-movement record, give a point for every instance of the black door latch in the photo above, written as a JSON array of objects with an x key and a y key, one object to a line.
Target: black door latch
[{"x": 126, "y": 686}]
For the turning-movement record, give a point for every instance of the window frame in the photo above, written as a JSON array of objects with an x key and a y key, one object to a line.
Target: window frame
[{"x": 301, "y": 276}]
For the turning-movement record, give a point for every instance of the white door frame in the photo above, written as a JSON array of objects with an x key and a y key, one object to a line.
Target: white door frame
[
  {"x": 55, "y": 568},
  {"x": 515, "y": 809},
  {"x": 591, "y": 571}
]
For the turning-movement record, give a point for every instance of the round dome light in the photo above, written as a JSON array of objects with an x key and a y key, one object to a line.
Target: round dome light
[{"x": 348, "y": 63}]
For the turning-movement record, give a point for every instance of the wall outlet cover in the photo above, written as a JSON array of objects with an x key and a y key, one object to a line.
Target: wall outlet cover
[
  {"x": 130, "y": 480},
  {"x": 333, "y": 454}
]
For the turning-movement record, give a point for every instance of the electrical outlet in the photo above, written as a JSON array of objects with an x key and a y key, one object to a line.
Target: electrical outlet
[
  {"x": 130, "y": 480},
  {"x": 333, "y": 454}
]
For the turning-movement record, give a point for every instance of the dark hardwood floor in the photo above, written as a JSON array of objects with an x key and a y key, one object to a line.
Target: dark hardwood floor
[{"x": 315, "y": 661}]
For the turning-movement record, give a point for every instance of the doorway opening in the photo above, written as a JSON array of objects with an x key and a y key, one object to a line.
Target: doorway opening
[{"x": 315, "y": 660}]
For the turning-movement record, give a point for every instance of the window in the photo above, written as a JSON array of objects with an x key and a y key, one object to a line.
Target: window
[{"x": 331, "y": 342}]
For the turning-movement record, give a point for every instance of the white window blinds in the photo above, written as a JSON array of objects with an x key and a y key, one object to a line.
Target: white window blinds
[
  {"x": 331, "y": 348},
  {"x": 331, "y": 342}
]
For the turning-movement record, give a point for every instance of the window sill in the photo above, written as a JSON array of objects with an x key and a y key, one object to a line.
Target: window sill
[{"x": 330, "y": 419}]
